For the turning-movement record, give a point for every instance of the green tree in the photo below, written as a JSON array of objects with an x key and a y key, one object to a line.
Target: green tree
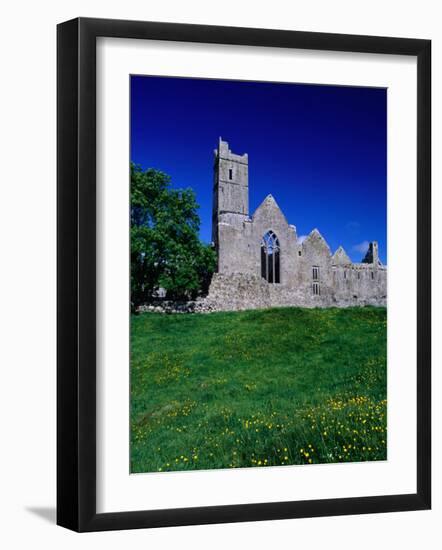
[{"x": 165, "y": 249}]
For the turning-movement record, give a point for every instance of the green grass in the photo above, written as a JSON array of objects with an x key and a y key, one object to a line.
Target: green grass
[{"x": 258, "y": 388}]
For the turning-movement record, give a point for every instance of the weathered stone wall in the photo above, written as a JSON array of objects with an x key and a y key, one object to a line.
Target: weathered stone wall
[
  {"x": 315, "y": 252},
  {"x": 361, "y": 282},
  {"x": 235, "y": 250},
  {"x": 268, "y": 217},
  {"x": 238, "y": 291}
]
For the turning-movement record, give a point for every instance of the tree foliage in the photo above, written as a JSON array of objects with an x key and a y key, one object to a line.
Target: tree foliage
[{"x": 165, "y": 248}]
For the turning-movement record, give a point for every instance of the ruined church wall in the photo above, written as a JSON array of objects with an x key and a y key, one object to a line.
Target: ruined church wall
[
  {"x": 237, "y": 237},
  {"x": 315, "y": 252},
  {"x": 235, "y": 253},
  {"x": 269, "y": 217},
  {"x": 240, "y": 240},
  {"x": 362, "y": 282},
  {"x": 237, "y": 292}
]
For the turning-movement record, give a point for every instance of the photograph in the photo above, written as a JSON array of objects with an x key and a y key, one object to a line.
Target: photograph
[
  {"x": 258, "y": 257},
  {"x": 232, "y": 337}
]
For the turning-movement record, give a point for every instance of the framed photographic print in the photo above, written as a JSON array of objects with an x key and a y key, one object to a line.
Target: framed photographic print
[{"x": 243, "y": 274}]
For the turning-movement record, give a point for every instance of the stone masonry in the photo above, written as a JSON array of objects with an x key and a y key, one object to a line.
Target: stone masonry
[{"x": 262, "y": 263}]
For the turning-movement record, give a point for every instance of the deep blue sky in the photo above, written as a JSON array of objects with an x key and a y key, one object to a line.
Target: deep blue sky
[{"x": 319, "y": 150}]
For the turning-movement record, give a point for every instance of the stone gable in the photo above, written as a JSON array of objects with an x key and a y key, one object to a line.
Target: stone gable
[{"x": 340, "y": 257}]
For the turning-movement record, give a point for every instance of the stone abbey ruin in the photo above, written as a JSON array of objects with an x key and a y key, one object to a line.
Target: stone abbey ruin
[{"x": 262, "y": 263}]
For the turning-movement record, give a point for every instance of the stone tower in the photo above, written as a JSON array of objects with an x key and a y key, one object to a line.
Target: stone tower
[{"x": 230, "y": 187}]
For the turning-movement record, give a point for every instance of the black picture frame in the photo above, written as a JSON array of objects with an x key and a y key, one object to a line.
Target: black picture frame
[{"x": 77, "y": 287}]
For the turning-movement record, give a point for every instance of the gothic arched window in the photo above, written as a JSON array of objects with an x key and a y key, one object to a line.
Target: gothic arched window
[{"x": 270, "y": 253}]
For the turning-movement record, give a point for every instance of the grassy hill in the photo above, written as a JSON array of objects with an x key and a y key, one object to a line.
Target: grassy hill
[{"x": 257, "y": 388}]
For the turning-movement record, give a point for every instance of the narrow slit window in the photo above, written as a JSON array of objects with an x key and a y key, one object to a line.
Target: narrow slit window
[
  {"x": 315, "y": 273},
  {"x": 316, "y": 289},
  {"x": 230, "y": 173}
]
